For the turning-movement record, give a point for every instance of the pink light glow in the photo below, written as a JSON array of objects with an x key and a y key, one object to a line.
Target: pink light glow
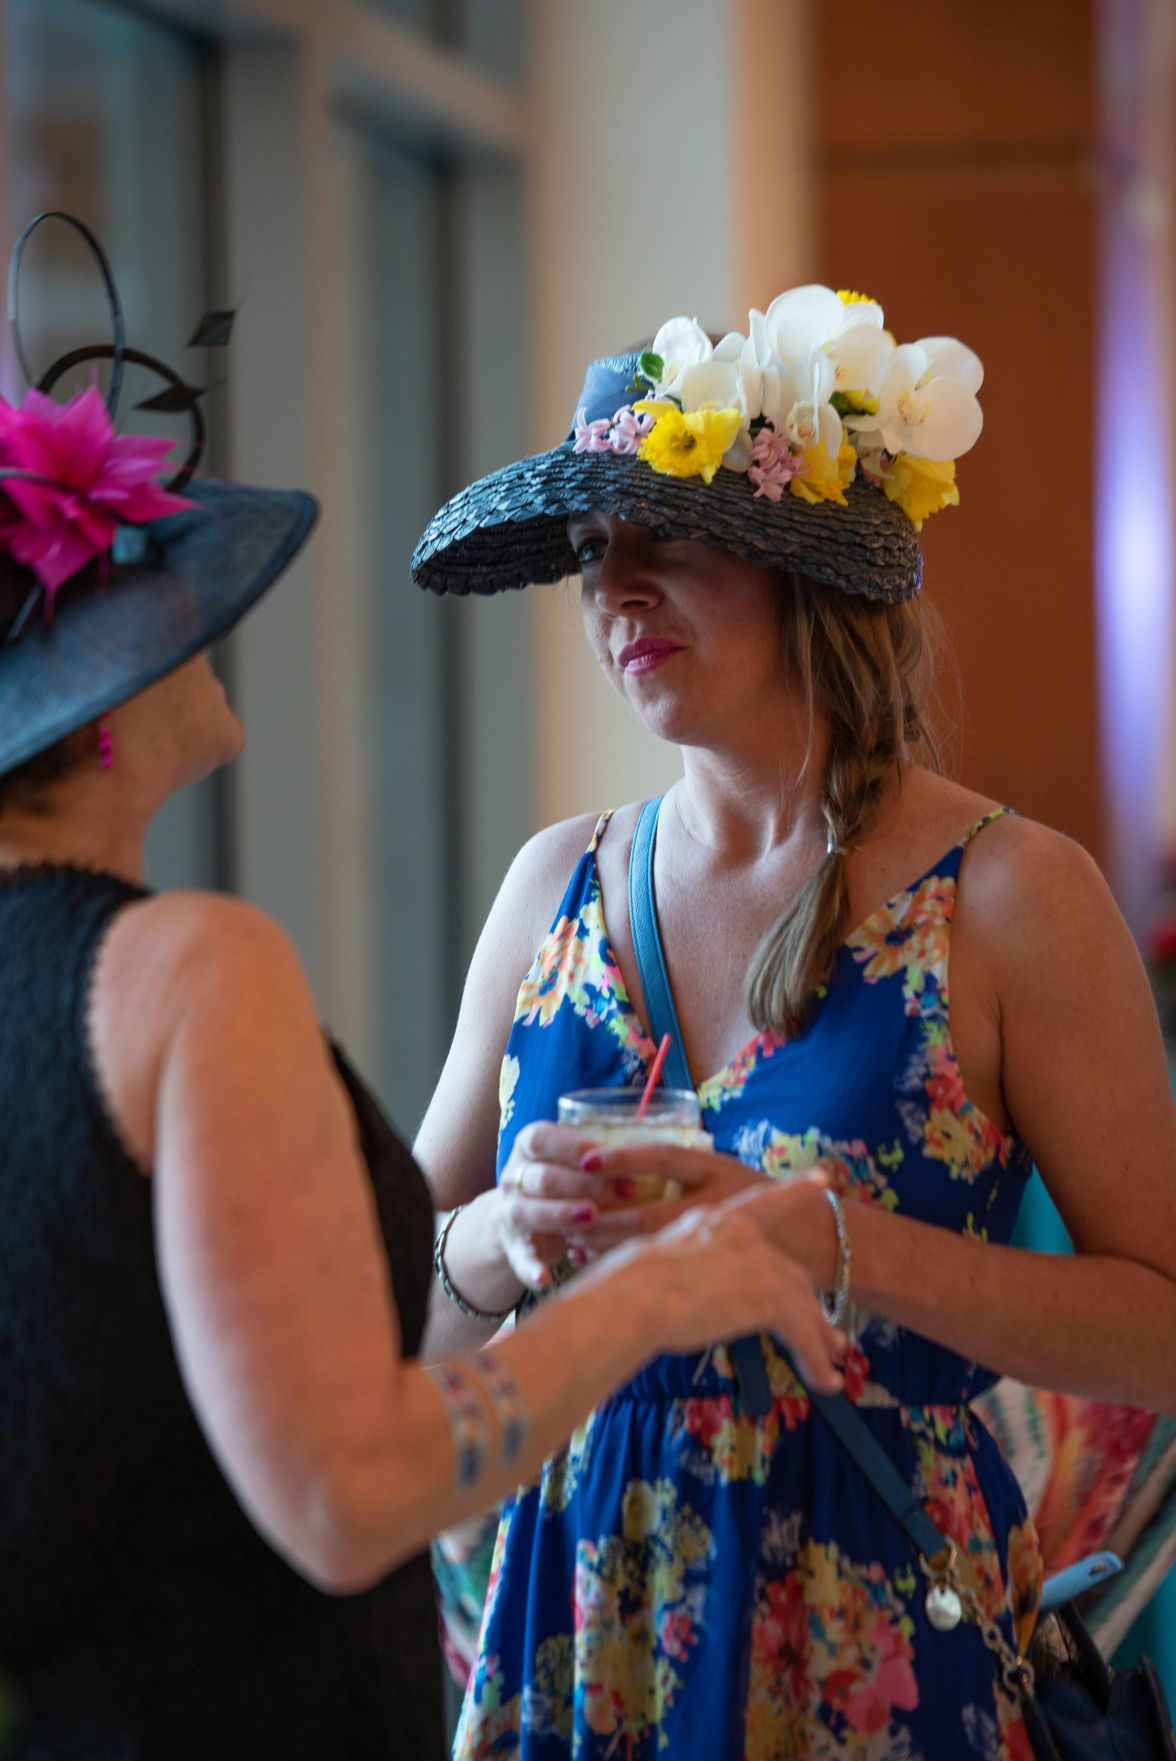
[{"x": 1133, "y": 468}]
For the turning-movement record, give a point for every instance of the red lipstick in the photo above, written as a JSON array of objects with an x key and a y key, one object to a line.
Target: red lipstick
[{"x": 646, "y": 653}]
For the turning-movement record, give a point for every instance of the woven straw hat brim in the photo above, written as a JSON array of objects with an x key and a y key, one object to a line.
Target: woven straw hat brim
[
  {"x": 214, "y": 562},
  {"x": 508, "y": 530}
]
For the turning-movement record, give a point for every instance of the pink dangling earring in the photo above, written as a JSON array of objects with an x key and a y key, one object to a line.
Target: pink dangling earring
[{"x": 105, "y": 742}]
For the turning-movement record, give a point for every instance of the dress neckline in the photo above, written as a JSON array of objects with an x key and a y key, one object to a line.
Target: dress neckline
[{"x": 757, "y": 1039}]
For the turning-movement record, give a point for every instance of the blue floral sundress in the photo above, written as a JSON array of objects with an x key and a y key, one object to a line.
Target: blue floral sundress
[{"x": 686, "y": 1580}]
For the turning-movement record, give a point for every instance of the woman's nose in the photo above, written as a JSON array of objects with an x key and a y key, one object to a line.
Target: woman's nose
[{"x": 625, "y": 577}]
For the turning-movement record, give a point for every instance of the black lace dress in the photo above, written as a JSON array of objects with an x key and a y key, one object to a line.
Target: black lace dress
[{"x": 141, "y": 1617}]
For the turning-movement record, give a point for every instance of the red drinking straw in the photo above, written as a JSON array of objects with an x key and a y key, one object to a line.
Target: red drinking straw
[{"x": 655, "y": 1070}]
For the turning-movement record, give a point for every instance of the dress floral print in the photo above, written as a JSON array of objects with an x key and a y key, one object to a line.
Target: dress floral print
[{"x": 691, "y": 1581}]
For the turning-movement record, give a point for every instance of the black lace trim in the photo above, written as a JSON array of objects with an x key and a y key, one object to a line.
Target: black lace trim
[
  {"x": 24, "y": 872},
  {"x": 104, "y": 1116}
]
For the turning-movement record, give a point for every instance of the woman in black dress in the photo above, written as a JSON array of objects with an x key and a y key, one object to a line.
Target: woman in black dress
[{"x": 218, "y": 1461}]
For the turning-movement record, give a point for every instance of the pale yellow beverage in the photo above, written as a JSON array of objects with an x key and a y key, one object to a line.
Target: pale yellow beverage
[{"x": 609, "y": 1117}]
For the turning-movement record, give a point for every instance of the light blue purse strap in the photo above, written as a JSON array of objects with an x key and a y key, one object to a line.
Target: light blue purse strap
[
  {"x": 747, "y": 1357},
  {"x": 647, "y": 949}
]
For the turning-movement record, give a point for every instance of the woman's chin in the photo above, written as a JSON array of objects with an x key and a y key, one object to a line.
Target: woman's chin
[
  {"x": 667, "y": 721},
  {"x": 229, "y": 744}
]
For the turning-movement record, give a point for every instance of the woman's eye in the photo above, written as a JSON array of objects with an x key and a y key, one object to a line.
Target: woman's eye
[{"x": 589, "y": 550}]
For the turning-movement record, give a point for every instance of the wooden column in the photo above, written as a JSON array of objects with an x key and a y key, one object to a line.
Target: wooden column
[{"x": 958, "y": 188}]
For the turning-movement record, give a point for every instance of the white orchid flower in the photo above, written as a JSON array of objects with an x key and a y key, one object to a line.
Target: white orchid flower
[
  {"x": 710, "y": 385},
  {"x": 860, "y": 357},
  {"x": 924, "y": 411},
  {"x": 953, "y": 360},
  {"x": 870, "y": 449},
  {"x": 681, "y": 343},
  {"x": 738, "y": 455},
  {"x": 810, "y": 317},
  {"x": 760, "y": 372},
  {"x": 806, "y": 416},
  {"x": 731, "y": 346}
]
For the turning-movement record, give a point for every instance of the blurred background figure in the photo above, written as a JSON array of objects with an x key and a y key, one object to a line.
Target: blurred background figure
[{"x": 430, "y": 213}]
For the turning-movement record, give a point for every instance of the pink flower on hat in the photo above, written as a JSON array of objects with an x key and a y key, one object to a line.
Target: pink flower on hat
[
  {"x": 623, "y": 434},
  {"x": 629, "y": 429},
  {"x": 85, "y": 481},
  {"x": 591, "y": 436},
  {"x": 773, "y": 462}
]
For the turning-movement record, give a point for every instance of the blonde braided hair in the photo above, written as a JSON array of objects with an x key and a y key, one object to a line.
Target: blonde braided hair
[{"x": 868, "y": 666}]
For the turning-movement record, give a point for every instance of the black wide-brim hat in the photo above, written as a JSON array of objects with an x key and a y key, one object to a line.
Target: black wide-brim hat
[
  {"x": 510, "y": 528},
  {"x": 173, "y": 586}
]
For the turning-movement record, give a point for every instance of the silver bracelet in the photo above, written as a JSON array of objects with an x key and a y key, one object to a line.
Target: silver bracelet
[
  {"x": 447, "y": 1284},
  {"x": 834, "y": 1308}
]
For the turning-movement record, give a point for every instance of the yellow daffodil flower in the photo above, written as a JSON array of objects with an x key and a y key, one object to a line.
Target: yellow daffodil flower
[
  {"x": 687, "y": 443},
  {"x": 921, "y": 486},
  {"x": 825, "y": 479}
]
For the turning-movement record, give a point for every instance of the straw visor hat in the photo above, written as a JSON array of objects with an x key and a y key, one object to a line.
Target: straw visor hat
[
  {"x": 109, "y": 580},
  {"x": 813, "y": 444}
]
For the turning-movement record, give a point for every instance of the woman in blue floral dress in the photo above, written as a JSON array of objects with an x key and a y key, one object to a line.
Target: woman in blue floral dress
[{"x": 879, "y": 978}]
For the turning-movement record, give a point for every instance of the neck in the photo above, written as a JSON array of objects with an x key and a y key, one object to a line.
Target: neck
[
  {"x": 79, "y": 828},
  {"x": 761, "y": 794}
]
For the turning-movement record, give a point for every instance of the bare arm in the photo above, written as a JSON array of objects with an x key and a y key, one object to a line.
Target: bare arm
[
  {"x": 274, "y": 1273},
  {"x": 457, "y": 1141},
  {"x": 1086, "y": 1084}
]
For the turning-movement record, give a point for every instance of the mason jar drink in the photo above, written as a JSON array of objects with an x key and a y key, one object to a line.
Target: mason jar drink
[{"x": 609, "y": 1117}]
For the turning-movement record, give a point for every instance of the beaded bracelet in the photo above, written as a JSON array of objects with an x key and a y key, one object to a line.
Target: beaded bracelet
[
  {"x": 468, "y": 1422},
  {"x": 510, "y": 1408},
  {"x": 447, "y": 1284},
  {"x": 836, "y": 1308}
]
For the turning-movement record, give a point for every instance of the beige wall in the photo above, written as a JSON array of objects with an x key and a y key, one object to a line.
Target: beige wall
[{"x": 655, "y": 192}]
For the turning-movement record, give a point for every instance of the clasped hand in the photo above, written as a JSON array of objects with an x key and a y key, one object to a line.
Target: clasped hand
[{"x": 563, "y": 1195}]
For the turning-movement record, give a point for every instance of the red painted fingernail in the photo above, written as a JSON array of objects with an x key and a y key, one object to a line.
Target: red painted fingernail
[
  {"x": 583, "y": 1214},
  {"x": 591, "y": 1162},
  {"x": 577, "y": 1256},
  {"x": 625, "y": 1188}
]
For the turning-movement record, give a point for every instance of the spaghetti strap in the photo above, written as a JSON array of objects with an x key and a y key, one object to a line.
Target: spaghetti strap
[
  {"x": 599, "y": 831},
  {"x": 996, "y": 813}
]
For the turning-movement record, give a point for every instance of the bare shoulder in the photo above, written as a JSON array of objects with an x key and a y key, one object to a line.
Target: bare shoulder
[
  {"x": 519, "y": 918},
  {"x": 1035, "y": 913},
  {"x": 1025, "y": 873},
  {"x": 548, "y": 857},
  {"x": 209, "y": 934},
  {"x": 1009, "y": 858},
  {"x": 1027, "y": 893},
  {"x": 535, "y": 883},
  {"x": 192, "y": 970},
  {"x": 181, "y": 962}
]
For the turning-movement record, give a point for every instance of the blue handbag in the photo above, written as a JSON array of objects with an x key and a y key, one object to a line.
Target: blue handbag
[
  {"x": 1074, "y": 1706},
  {"x": 1085, "y": 1711}
]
